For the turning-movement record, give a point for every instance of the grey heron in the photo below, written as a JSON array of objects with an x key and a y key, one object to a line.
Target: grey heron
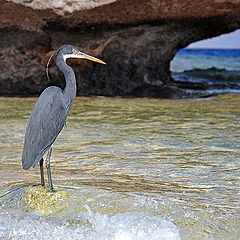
[{"x": 49, "y": 114}]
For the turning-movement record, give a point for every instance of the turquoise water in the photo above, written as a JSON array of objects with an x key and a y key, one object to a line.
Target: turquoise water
[{"x": 126, "y": 169}]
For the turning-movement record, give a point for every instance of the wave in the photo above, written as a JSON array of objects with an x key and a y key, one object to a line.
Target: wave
[{"x": 87, "y": 225}]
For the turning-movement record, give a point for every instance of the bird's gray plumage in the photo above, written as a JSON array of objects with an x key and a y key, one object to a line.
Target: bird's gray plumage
[
  {"x": 45, "y": 123},
  {"x": 50, "y": 113}
]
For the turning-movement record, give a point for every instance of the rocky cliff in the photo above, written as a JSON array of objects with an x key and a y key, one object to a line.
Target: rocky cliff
[{"x": 136, "y": 38}]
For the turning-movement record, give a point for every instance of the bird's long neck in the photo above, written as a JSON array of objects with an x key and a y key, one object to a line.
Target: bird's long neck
[{"x": 69, "y": 92}]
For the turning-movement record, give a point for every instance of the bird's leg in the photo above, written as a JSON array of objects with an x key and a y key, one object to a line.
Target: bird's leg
[
  {"x": 41, "y": 171},
  {"x": 48, "y": 169}
]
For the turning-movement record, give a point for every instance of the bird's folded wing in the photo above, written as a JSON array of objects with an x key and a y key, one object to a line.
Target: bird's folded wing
[{"x": 45, "y": 123}]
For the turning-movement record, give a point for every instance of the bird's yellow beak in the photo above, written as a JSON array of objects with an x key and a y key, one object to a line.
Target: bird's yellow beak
[{"x": 83, "y": 55}]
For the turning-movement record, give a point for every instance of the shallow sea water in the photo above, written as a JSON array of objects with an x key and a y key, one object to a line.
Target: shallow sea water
[{"x": 126, "y": 169}]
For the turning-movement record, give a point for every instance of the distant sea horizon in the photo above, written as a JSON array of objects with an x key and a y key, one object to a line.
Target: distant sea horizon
[
  {"x": 211, "y": 51},
  {"x": 205, "y": 58},
  {"x": 228, "y": 48}
]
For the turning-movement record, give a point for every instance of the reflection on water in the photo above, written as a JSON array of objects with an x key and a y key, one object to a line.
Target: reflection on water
[{"x": 127, "y": 169}]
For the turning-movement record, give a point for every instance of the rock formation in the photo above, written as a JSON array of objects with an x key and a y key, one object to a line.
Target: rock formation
[{"x": 136, "y": 38}]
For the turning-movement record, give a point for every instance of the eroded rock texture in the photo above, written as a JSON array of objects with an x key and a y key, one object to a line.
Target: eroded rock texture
[{"x": 136, "y": 38}]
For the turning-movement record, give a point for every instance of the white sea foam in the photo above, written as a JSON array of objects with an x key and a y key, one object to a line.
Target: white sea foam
[{"x": 16, "y": 224}]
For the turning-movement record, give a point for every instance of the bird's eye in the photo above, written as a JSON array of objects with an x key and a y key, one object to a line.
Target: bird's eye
[{"x": 74, "y": 51}]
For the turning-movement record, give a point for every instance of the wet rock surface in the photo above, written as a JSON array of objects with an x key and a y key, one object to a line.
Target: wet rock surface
[
  {"x": 137, "y": 40},
  {"x": 207, "y": 82}
]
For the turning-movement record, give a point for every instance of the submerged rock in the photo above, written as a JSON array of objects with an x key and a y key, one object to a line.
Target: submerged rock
[
  {"x": 137, "y": 40},
  {"x": 206, "y": 82},
  {"x": 211, "y": 76}
]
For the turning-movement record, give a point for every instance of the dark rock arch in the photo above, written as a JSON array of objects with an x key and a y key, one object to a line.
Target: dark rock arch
[{"x": 137, "y": 39}]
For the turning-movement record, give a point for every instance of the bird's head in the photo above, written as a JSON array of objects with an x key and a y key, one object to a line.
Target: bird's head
[{"x": 69, "y": 51}]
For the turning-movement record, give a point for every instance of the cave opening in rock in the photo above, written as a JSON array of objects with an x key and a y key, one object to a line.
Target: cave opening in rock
[{"x": 210, "y": 64}]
